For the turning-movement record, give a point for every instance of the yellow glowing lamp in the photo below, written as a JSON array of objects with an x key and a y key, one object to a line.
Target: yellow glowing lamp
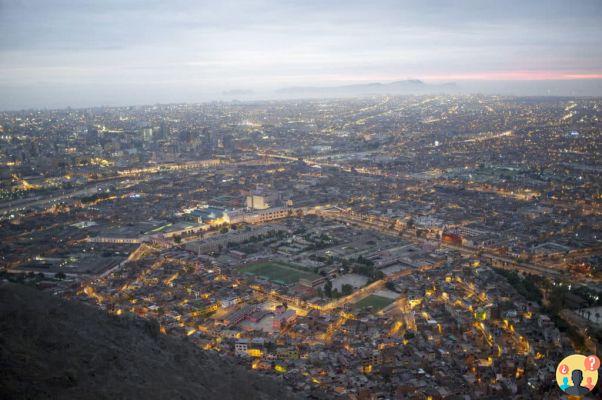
[{"x": 254, "y": 352}]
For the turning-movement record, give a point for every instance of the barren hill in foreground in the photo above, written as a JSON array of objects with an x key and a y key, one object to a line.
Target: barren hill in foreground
[{"x": 55, "y": 349}]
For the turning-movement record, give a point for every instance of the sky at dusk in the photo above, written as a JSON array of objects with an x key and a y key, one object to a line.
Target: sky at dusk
[{"x": 81, "y": 53}]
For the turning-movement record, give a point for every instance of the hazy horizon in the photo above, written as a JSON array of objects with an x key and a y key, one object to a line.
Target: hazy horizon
[{"x": 81, "y": 53}]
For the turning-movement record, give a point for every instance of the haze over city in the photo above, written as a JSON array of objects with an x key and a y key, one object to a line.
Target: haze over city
[{"x": 86, "y": 53}]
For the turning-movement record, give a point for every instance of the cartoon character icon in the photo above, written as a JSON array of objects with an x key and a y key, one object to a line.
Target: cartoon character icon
[
  {"x": 565, "y": 383},
  {"x": 577, "y": 389},
  {"x": 577, "y": 375}
]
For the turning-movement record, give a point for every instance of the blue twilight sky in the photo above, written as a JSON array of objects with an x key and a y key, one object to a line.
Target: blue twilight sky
[{"x": 76, "y": 52}]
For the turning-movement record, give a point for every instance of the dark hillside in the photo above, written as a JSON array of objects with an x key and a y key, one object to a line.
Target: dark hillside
[{"x": 56, "y": 349}]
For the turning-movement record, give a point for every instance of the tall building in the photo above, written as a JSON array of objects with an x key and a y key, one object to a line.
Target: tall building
[
  {"x": 147, "y": 134},
  {"x": 228, "y": 142},
  {"x": 207, "y": 144},
  {"x": 163, "y": 131},
  {"x": 260, "y": 199},
  {"x": 257, "y": 202}
]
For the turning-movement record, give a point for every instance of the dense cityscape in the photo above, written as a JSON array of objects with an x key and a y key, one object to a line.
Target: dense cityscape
[{"x": 380, "y": 247}]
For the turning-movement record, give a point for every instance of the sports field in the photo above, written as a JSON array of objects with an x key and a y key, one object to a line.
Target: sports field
[
  {"x": 377, "y": 302},
  {"x": 277, "y": 272}
]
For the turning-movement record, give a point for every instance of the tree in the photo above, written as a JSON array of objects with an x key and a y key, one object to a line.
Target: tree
[
  {"x": 328, "y": 288},
  {"x": 346, "y": 289}
]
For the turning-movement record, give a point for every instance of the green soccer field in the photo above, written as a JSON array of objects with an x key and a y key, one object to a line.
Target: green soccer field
[
  {"x": 377, "y": 302},
  {"x": 278, "y": 272}
]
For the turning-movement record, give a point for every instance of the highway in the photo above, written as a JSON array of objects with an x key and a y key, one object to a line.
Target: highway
[{"x": 376, "y": 223}]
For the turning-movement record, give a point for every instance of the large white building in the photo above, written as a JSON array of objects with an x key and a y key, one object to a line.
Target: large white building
[
  {"x": 257, "y": 202},
  {"x": 261, "y": 199}
]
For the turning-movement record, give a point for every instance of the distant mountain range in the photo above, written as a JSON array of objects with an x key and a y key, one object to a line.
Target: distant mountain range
[
  {"x": 573, "y": 87},
  {"x": 409, "y": 86}
]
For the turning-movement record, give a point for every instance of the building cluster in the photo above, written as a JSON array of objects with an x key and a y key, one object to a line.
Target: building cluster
[
  {"x": 430, "y": 323},
  {"x": 357, "y": 248}
]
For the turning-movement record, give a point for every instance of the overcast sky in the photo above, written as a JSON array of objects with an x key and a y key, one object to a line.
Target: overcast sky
[{"x": 79, "y": 53}]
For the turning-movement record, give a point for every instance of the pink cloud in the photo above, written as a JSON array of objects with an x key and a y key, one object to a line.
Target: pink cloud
[{"x": 514, "y": 76}]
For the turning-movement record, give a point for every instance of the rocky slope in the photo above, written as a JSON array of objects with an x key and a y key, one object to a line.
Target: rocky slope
[{"x": 56, "y": 349}]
